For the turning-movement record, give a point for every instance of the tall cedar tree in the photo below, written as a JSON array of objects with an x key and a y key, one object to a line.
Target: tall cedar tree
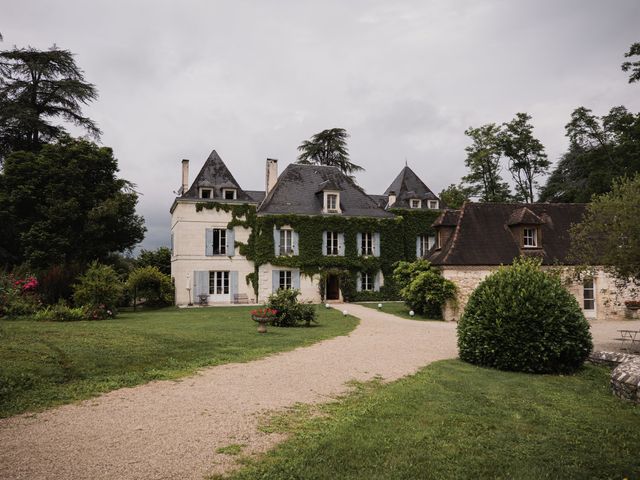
[
  {"x": 634, "y": 50},
  {"x": 525, "y": 153},
  {"x": 483, "y": 162},
  {"x": 601, "y": 149},
  {"x": 36, "y": 88},
  {"x": 328, "y": 147},
  {"x": 65, "y": 204}
]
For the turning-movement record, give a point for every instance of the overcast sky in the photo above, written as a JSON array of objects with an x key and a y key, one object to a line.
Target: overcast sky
[{"x": 252, "y": 79}]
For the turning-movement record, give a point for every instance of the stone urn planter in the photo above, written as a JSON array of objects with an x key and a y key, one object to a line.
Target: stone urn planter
[{"x": 263, "y": 317}]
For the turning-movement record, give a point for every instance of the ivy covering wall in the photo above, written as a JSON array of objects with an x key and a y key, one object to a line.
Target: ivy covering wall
[{"x": 397, "y": 242}]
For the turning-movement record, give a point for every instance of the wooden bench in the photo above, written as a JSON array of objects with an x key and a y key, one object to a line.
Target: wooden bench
[{"x": 240, "y": 298}]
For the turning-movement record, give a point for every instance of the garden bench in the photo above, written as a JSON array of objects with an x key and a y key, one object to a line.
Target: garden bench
[{"x": 240, "y": 298}]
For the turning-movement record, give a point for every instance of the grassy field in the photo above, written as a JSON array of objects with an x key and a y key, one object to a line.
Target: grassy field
[
  {"x": 46, "y": 364},
  {"x": 453, "y": 420},
  {"x": 395, "y": 308}
]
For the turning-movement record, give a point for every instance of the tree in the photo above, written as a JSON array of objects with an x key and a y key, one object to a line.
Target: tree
[
  {"x": 455, "y": 195},
  {"x": 65, "y": 204},
  {"x": 525, "y": 153},
  {"x": 483, "y": 162},
  {"x": 328, "y": 147},
  {"x": 159, "y": 258},
  {"x": 609, "y": 233},
  {"x": 152, "y": 285},
  {"x": 633, "y": 66},
  {"x": 37, "y": 87},
  {"x": 600, "y": 150}
]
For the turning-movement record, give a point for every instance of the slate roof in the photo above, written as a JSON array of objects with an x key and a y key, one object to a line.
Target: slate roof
[
  {"x": 448, "y": 218},
  {"x": 215, "y": 174},
  {"x": 299, "y": 191},
  {"x": 482, "y": 235},
  {"x": 407, "y": 185},
  {"x": 256, "y": 195}
]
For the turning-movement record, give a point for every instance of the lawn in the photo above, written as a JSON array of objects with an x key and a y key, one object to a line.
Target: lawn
[
  {"x": 453, "y": 420},
  {"x": 46, "y": 364},
  {"x": 395, "y": 308}
]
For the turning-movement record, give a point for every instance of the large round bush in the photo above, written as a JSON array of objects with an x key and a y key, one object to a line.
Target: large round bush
[{"x": 523, "y": 319}]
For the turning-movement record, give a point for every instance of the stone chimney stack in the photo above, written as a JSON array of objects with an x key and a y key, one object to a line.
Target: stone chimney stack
[
  {"x": 272, "y": 174},
  {"x": 392, "y": 199},
  {"x": 185, "y": 176}
]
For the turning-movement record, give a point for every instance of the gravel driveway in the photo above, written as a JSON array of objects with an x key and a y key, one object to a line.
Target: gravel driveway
[{"x": 171, "y": 429}]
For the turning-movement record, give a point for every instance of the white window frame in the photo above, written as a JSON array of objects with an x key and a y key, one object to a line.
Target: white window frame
[
  {"x": 589, "y": 295},
  {"x": 284, "y": 282},
  {"x": 219, "y": 282},
  {"x": 233, "y": 191},
  {"x": 426, "y": 243},
  {"x": 529, "y": 237},
  {"x": 209, "y": 190},
  {"x": 367, "y": 244},
  {"x": 431, "y": 241},
  {"x": 335, "y": 207},
  {"x": 433, "y": 204},
  {"x": 333, "y": 244},
  {"x": 286, "y": 241},
  {"x": 415, "y": 203},
  {"x": 221, "y": 248},
  {"x": 367, "y": 282}
]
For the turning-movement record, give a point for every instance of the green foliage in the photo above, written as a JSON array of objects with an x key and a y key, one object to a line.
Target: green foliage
[
  {"x": 65, "y": 205},
  {"x": 37, "y": 87},
  {"x": 159, "y": 258},
  {"x": 61, "y": 313},
  {"x": 601, "y": 149},
  {"x": 423, "y": 288},
  {"x": 99, "y": 289},
  {"x": 634, "y": 51},
  {"x": 609, "y": 234},
  {"x": 455, "y": 195},
  {"x": 18, "y": 296},
  {"x": 328, "y": 147},
  {"x": 150, "y": 284},
  {"x": 523, "y": 319},
  {"x": 291, "y": 312}
]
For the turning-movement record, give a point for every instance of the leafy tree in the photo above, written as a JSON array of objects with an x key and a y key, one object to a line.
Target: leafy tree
[
  {"x": 99, "y": 289},
  {"x": 600, "y": 150},
  {"x": 152, "y": 285},
  {"x": 483, "y": 162},
  {"x": 633, "y": 66},
  {"x": 609, "y": 234},
  {"x": 37, "y": 87},
  {"x": 65, "y": 204},
  {"x": 328, "y": 147},
  {"x": 159, "y": 258},
  {"x": 455, "y": 195},
  {"x": 525, "y": 153}
]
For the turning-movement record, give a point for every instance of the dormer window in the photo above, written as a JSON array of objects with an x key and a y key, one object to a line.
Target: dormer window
[
  {"x": 415, "y": 203},
  {"x": 229, "y": 193},
  {"x": 433, "y": 204},
  {"x": 529, "y": 237},
  {"x": 206, "y": 193},
  {"x": 331, "y": 202}
]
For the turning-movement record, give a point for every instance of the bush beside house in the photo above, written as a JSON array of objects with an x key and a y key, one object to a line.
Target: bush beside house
[{"x": 290, "y": 312}]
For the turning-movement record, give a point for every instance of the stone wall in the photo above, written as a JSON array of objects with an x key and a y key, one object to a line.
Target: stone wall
[{"x": 625, "y": 377}]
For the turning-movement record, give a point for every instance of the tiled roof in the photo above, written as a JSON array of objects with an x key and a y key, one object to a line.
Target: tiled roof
[
  {"x": 448, "y": 218},
  {"x": 299, "y": 190},
  {"x": 215, "y": 174},
  {"x": 407, "y": 185},
  {"x": 482, "y": 235}
]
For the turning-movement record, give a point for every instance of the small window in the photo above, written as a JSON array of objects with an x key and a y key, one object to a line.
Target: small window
[
  {"x": 218, "y": 283},
  {"x": 438, "y": 239},
  {"x": 286, "y": 245},
  {"x": 589, "y": 294},
  {"x": 285, "y": 280},
  {"x": 206, "y": 193},
  {"x": 433, "y": 204},
  {"x": 332, "y": 202},
  {"x": 367, "y": 244},
  {"x": 415, "y": 203},
  {"x": 367, "y": 284},
  {"x": 431, "y": 241},
  {"x": 219, "y": 241},
  {"x": 229, "y": 193},
  {"x": 529, "y": 237},
  {"x": 332, "y": 243},
  {"x": 425, "y": 244}
]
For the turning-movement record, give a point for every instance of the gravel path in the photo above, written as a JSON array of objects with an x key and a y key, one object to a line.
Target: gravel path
[{"x": 167, "y": 430}]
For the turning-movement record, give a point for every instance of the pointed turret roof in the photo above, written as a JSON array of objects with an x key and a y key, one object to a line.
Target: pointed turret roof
[
  {"x": 215, "y": 174},
  {"x": 408, "y": 185}
]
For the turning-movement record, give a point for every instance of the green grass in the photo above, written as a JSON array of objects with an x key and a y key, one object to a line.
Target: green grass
[
  {"x": 233, "y": 449},
  {"x": 46, "y": 364},
  {"x": 453, "y": 420},
  {"x": 395, "y": 308}
]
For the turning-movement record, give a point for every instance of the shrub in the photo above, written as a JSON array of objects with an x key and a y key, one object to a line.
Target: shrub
[
  {"x": 423, "y": 289},
  {"x": 99, "y": 289},
  {"x": 291, "y": 312},
  {"x": 61, "y": 313},
  {"x": 18, "y": 295},
  {"x": 523, "y": 319},
  {"x": 152, "y": 285}
]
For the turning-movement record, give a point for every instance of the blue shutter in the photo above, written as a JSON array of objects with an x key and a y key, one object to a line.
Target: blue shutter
[
  {"x": 358, "y": 282},
  {"x": 200, "y": 284},
  {"x": 276, "y": 241},
  {"x": 376, "y": 244},
  {"x": 275, "y": 280},
  {"x": 233, "y": 285},
  {"x": 208, "y": 242},
  {"x": 376, "y": 282},
  {"x": 341, "y": 244},
  {"x": 295, "y": 279},
  {"x": 324, "y": 243},
  {"x": 418, "y": 246},
  {"x": 359, "y": 243},
  {"x": 231, "y": 243},
  {"x": 294, "y": 243}
]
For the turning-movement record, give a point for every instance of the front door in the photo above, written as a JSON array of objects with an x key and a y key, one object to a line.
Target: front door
[
  {"x": 219, "y": 287},
  {"x": 333, "y": 287}
]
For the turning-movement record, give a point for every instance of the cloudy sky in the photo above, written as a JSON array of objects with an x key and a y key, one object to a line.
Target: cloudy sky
[{"x": 252, "y": 79}]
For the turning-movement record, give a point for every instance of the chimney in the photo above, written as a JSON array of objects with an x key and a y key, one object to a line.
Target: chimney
[
  {"x": 185, "y": 176},
  {"x": 392, "y": 199},
  {"x": 272, "y": 174}
]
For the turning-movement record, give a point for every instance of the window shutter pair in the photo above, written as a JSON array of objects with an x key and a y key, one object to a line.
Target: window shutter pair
[
  {"x": 275, "y": 280},
  {"x": 295, "y": 238},
  {"x": 230, "y": 242}
]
